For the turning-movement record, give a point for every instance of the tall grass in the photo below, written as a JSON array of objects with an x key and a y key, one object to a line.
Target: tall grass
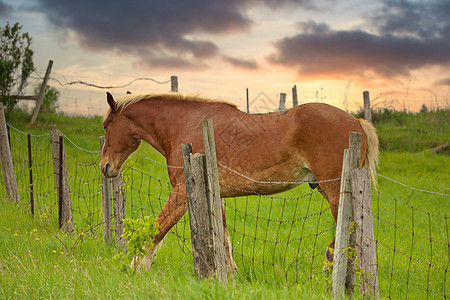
[{"x": 275, "y": 258}]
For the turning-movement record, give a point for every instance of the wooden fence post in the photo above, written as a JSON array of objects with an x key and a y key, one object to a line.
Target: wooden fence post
[
  {"x": 282, "y": 102},
  {"x": 6, "y": 160},
  {"x": 30, "y": 168},
  {"x": 248, "y": 103},
  {"x": 174, "y": 83},
  {"x": 119, "y": 209},
  {"x": 61, "y": 179},
  {"x": 365, "y": 242},
  {"x": 367, "y": 109},
  {"x": 42, "y": 92},
  {"x": 214, "y": 189},
  {"x": 200, "y": 218},
  {"x": 341, "y": 280},
  {"x": 106, "y": 202},
  {"x": 294, "y": 96},
  {"x": 205, "y": 208}
]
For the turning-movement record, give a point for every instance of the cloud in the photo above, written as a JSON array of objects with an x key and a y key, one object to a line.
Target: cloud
[
  {"x": 423, "y": 19},
  {"x": 443, "y": 82},
  {"x": 320, "y": 52},
  {"x": 407, "y": 36},
  {"x": 5, "y": 9},
  {"x": 241, "y": 63},
  {"x": 154, "y": 27}
]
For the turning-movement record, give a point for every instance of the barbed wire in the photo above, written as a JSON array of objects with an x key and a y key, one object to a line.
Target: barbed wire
[
  {"x": 79, "y": 148},
  {"x": 24, "y": 133},
  {"x": 82, "y": 82},
  {"x": 274, "y": 182},
  {"x": 412, "y": 188}
]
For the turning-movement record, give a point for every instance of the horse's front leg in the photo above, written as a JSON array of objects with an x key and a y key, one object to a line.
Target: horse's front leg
[{"x": 174, "y": 208}]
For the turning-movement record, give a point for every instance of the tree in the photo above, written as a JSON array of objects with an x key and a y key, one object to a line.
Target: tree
[
  {"x": 51, "y": 96},
  {"x": 16, "y": 63}
]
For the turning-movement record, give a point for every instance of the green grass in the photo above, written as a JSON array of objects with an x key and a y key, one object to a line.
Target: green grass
[
  {"x": 275, "y": 259},
  {"x": 407, "y": 132}
]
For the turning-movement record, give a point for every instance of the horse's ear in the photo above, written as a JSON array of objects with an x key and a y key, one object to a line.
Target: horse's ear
[
  {"x": 111, "y": 101},
  {"x": 128, "y": 92}
]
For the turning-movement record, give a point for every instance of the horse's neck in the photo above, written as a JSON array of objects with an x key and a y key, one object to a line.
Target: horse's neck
[
  {"x": 151, "y": 126},
  {"x": 163, "y": 122}
]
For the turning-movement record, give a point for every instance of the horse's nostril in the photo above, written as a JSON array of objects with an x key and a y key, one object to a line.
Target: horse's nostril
[{"x": 106, "y": 168}]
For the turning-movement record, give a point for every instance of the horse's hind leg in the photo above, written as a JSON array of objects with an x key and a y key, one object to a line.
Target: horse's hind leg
[
  {"x": 231, "y": 265},
  {"x": 330, "y": 191},
  {"x": 174, "y": 208}
]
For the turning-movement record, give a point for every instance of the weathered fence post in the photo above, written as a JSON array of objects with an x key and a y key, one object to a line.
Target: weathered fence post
[
  {"x": 282, "y": 102},
  {"x": 6, "y": 160},
  {"x": 205, "y": 208},
  {"x": 200, "y": 218},
  {"x": 106, "y": 202},
  {"x": 174, "y": 83},
  {"x": 367, "y": 109},
  {"x": 365, "y": 242},
  {"x": 30, "y": 168},
  {"x": 61, "y": 179},
  {"x": 119, "y": 209},
  {"x": 214, "y": 189},
  {"x": 343, "y": 269},
  {"x": 42, "y": 92},
  {"x": 294, "y": 96}
]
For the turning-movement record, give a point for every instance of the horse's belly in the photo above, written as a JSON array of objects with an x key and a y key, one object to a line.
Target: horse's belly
[{"x": 272, "y": 183}]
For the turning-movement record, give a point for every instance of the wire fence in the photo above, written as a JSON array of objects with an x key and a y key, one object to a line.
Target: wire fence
[{"x": 277, "y": 239}]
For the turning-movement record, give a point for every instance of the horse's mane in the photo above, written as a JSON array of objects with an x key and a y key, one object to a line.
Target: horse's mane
[{"x": 129, "y": 99}]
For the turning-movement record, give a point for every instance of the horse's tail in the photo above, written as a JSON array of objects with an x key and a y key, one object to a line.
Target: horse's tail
[{"x": 371, "y": 158}]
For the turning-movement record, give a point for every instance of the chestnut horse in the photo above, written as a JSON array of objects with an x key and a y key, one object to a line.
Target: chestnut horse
[{"x": 257, "y": 153}]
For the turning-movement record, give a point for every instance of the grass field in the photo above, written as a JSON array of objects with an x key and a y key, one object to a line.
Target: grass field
[{"x": 278, "y": 241}]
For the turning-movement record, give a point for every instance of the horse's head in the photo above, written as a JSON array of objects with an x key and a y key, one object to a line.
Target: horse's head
[{"x": 120, "y": 139}]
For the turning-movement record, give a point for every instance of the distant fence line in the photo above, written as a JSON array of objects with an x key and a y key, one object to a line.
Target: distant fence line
[
  {"x": 275, "y": 239},
  {"x": 265, "y": 102}
]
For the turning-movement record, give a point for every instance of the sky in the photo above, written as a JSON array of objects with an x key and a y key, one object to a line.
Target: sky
[{"x": 332, "y": 50}]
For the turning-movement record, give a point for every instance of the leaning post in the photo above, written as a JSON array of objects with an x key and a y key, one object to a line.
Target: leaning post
[
  {"x": 42, "y": 92},
  {"x": 342, "y": 279},
  {"x": 216, "y": 200},
  {"x": 6, "y": 159}
]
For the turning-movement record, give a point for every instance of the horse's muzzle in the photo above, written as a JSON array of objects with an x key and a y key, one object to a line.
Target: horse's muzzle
[{"x": 108, "y": 171}]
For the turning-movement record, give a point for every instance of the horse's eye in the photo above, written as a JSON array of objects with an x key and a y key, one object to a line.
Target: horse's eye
[{"x": 104, "y": 127}]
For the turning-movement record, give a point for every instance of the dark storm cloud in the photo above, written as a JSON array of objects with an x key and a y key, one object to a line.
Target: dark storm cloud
[
  {"x": 408, "y": 36},
  {"x": 5, "y": 9},
  {"x": 160, "y": 29},
  {"x": 424, "y": 19}
]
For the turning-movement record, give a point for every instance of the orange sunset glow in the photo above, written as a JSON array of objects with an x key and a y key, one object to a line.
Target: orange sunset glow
[{"x": 331, "y": 50}]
